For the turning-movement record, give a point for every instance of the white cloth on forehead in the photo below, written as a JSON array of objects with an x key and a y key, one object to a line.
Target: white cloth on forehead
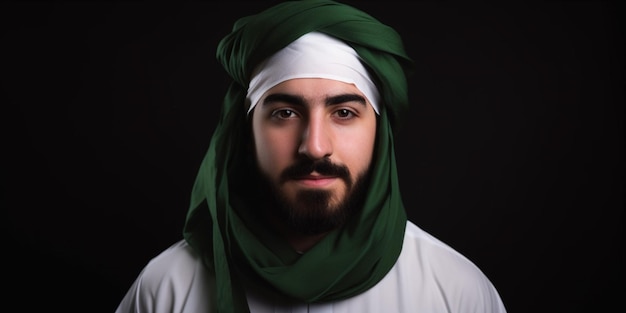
[{"x": 314, "y": 55}]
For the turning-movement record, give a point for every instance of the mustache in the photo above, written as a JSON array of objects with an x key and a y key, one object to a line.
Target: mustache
[{"x": 324, "y": 167}]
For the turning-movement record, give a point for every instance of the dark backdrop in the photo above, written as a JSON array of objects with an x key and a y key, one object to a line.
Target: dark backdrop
[{"x": 513, "y": 154}]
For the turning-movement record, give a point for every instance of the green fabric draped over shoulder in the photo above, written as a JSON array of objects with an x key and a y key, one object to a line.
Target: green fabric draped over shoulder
[{"x": 219, "y": 223}]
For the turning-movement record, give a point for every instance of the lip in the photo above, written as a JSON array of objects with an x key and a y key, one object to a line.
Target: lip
[{"x": 316, "y": 180}]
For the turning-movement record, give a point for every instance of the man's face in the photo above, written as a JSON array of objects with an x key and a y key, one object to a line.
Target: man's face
[{"x": 314, "y": 139}]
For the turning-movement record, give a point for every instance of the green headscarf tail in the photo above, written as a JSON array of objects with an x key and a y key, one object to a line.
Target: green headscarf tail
[{"x": 347, "y": 261}]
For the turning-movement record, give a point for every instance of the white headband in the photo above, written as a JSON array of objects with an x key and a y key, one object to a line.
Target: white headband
[{"x": 314, "y": 55}]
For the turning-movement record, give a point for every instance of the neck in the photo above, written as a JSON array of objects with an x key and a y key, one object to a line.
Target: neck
[{"x": 301, "y": 243}]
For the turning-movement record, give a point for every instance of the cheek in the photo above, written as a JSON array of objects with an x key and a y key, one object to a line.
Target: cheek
[
  {"x": 358, "y": 149},
  {"x": 273, "y": 150}
]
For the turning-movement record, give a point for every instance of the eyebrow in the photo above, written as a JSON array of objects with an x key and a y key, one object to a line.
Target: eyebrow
[{"x": 300, "y": 101}]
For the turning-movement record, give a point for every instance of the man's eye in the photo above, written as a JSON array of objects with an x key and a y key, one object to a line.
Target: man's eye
[
  {"x": 285, "y": 113},
  {"x": 344, "y": 113}
]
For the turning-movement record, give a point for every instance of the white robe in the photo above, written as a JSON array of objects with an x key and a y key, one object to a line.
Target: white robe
[{"x": 428, "y": 277}]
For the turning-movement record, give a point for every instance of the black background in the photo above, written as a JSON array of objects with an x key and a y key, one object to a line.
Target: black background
[{"x": 513, "y": 154}]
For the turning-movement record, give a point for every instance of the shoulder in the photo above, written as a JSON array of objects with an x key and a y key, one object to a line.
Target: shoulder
[
  {"x": 446, "y": 273},
  {"x": 170, "y": 280},
  {"x": 434, "y": 253},
  {"x": 175, "y": 264}
]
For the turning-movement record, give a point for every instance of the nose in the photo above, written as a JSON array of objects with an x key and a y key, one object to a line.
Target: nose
[{"x": 316, "y": 140}]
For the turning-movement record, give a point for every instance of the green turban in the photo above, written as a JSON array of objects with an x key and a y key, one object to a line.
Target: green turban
[{"x": 220, "y": 225}]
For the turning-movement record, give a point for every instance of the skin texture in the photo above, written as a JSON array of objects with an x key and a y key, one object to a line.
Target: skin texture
[{"x": 300, "y": 124}]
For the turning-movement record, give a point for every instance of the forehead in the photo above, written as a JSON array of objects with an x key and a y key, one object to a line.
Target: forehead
[{"x": 314, "y": 88}]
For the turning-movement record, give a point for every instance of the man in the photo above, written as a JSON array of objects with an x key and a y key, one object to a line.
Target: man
[{"x": 296, "y": 206}]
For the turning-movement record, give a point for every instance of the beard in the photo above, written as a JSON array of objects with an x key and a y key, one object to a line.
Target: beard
[{"x": 311, "y": 212}]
